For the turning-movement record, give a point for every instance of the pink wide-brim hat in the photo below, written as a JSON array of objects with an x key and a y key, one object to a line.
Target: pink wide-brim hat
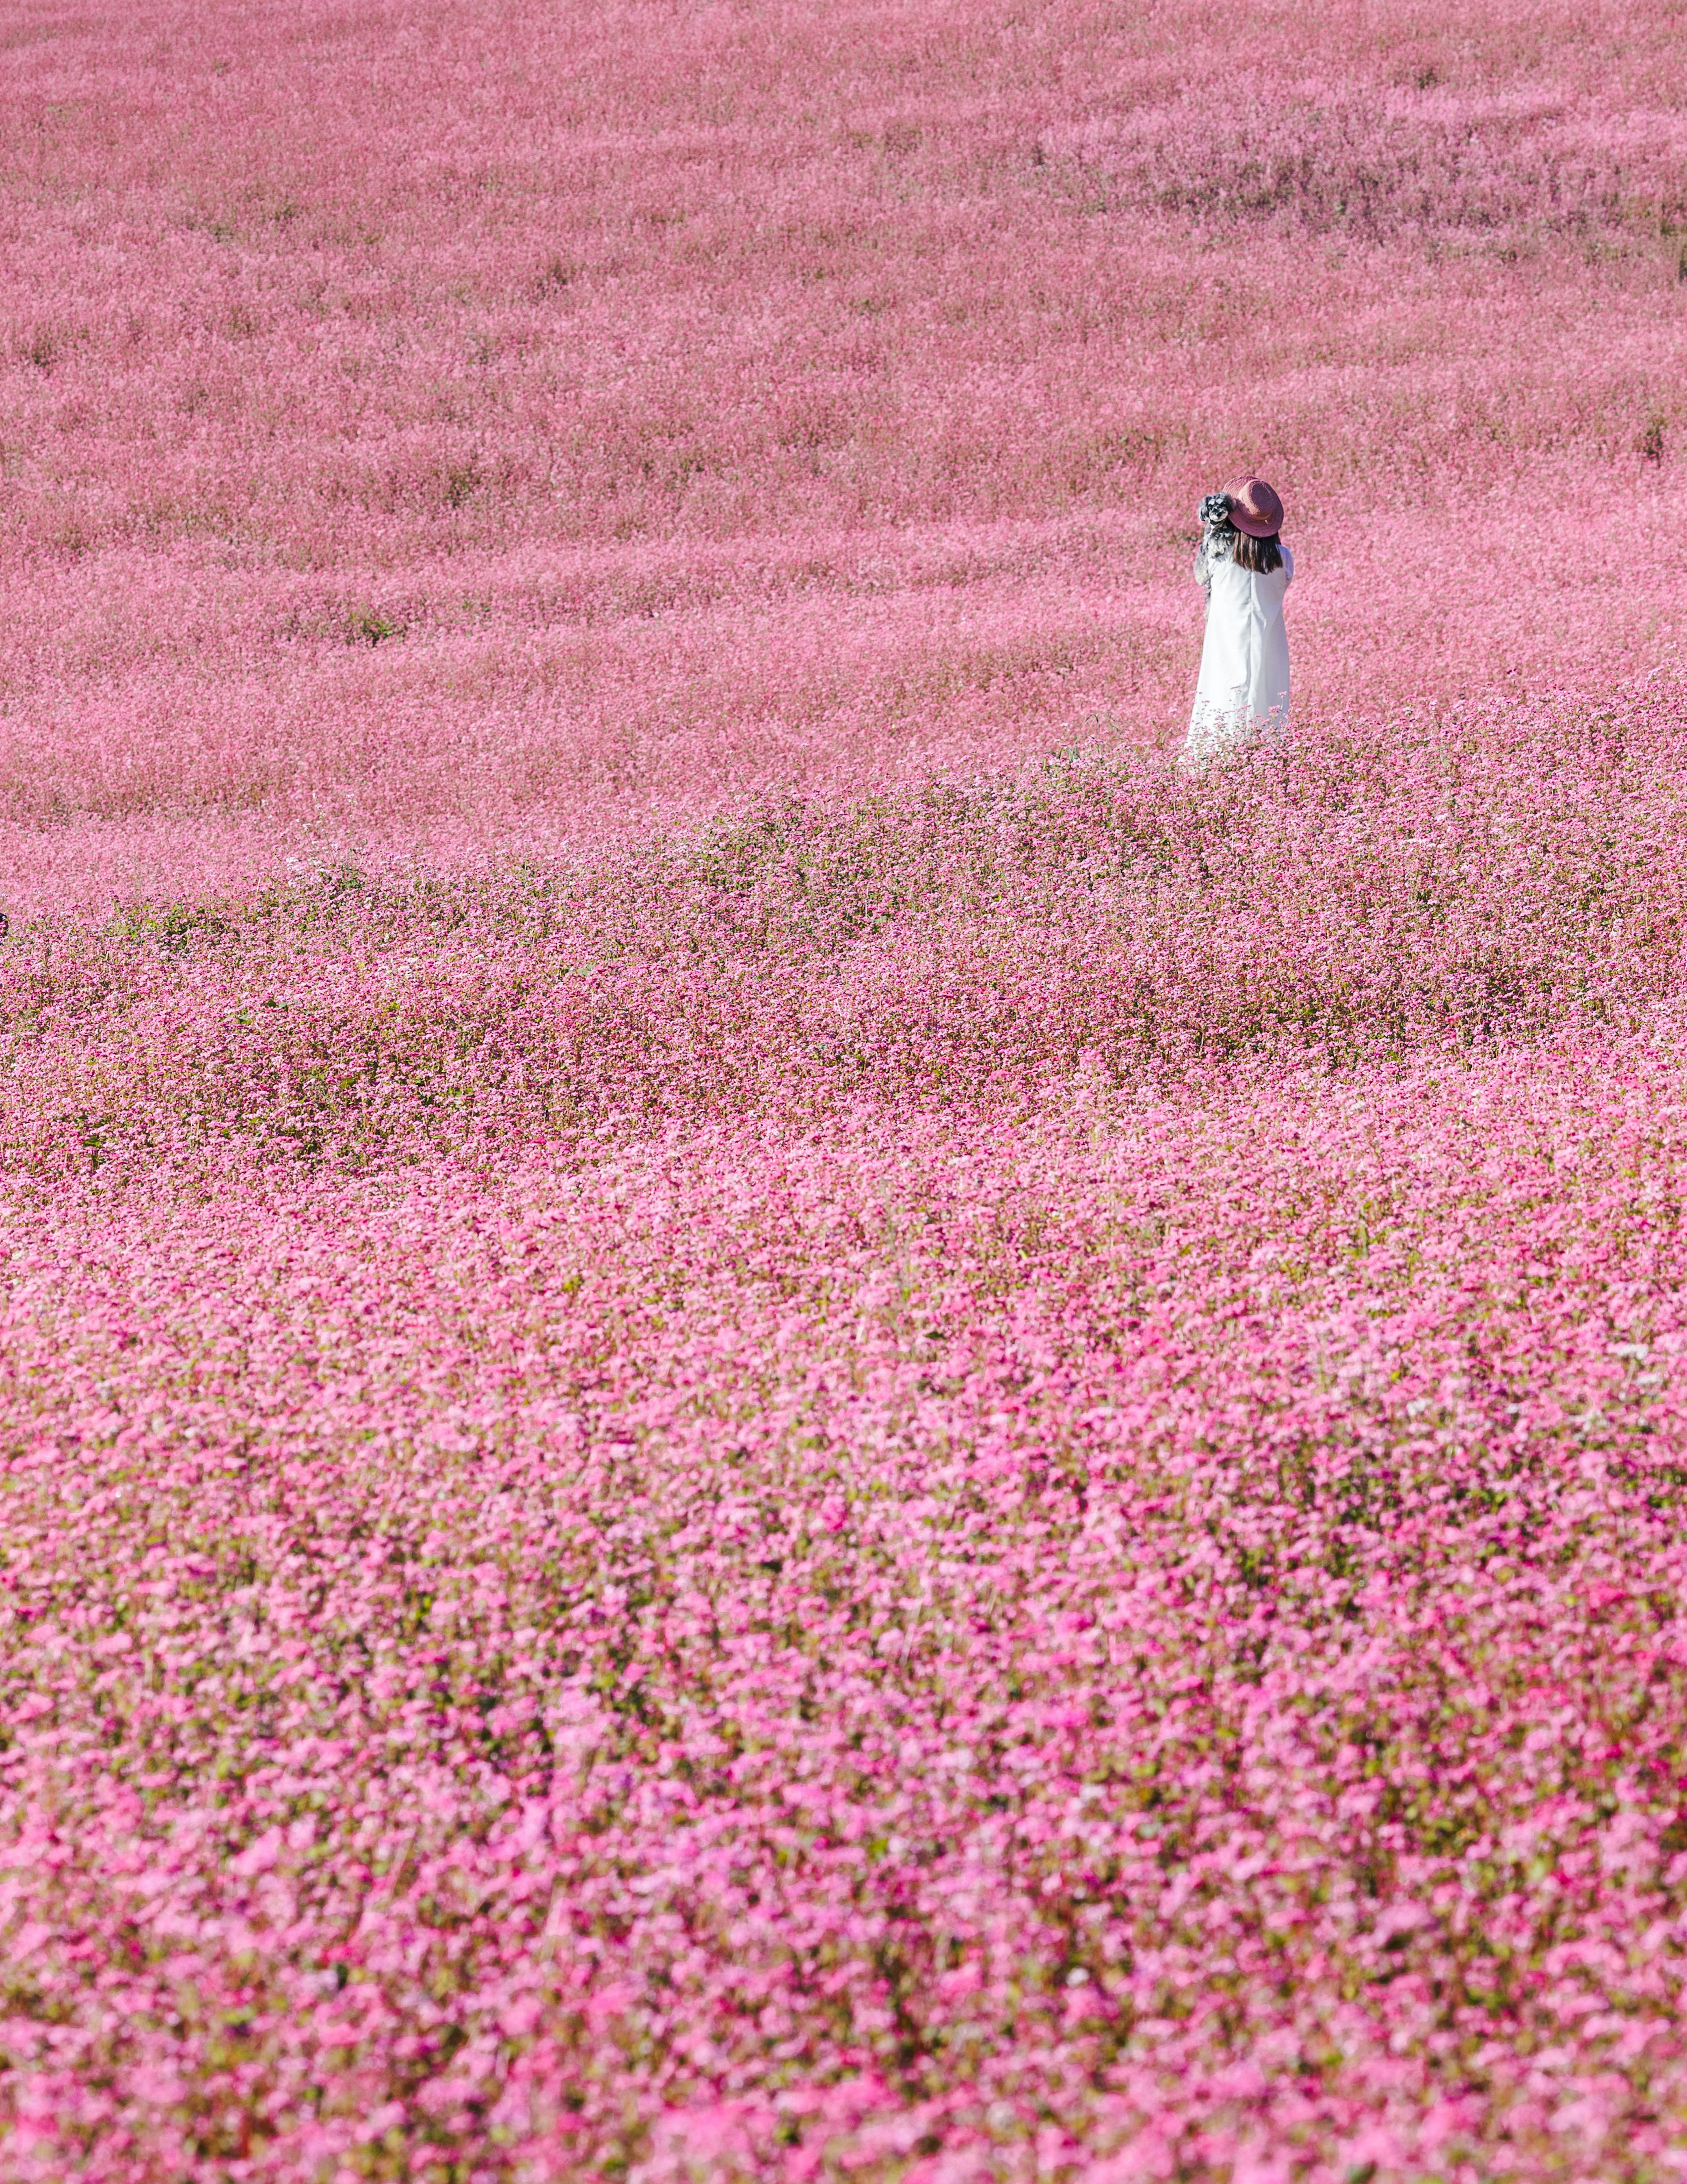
[{"x": 1256, "y": 509}]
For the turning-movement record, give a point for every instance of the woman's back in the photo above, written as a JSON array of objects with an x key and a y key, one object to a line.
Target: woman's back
[{"x": 1244, "y": 607}]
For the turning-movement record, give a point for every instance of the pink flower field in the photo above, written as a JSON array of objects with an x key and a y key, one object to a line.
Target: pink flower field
[{"x": 768, "y": 1416}]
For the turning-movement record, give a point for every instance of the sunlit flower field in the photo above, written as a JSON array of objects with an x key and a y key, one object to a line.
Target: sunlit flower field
[{"x": 768, "y": 1418}]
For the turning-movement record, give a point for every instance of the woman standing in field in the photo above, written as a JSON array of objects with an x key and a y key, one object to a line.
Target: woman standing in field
[{"x": 1244, "y": 568}]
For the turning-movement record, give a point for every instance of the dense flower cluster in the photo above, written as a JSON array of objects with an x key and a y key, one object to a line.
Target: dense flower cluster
[
  {"x": 1357, "y": 898},
  {"x": 962, "y": 1487},
  {"x": 765, "y": 1418},
  {"x": 1135, "y": 1640}
]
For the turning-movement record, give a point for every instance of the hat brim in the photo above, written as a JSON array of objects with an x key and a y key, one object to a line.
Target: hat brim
[{"x": 1254, "y": 526}]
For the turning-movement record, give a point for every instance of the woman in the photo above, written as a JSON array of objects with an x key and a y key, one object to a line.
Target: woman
[{"x": 1244, "y": 568}]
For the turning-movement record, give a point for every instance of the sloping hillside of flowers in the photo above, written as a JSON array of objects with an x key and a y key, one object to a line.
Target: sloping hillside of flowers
[{"x": 767, "y": 1418}]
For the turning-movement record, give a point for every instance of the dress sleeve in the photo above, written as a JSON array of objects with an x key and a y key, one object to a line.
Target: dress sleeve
[
  {"x": 1203, "y": 571},
  {"x": 1287, "y": 566}
]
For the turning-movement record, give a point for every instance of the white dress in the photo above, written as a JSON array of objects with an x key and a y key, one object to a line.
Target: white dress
[{"x": 1244, "y": 684}]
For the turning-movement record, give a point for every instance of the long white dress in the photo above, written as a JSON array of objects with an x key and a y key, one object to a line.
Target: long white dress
[{"x": 1243, "y": 689}]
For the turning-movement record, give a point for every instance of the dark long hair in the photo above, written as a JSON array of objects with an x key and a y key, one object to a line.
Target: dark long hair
[{"x": 1261, "y": 555}]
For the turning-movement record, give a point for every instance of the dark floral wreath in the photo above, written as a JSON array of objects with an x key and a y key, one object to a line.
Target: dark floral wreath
[{"x": 1215, "y": 511}]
